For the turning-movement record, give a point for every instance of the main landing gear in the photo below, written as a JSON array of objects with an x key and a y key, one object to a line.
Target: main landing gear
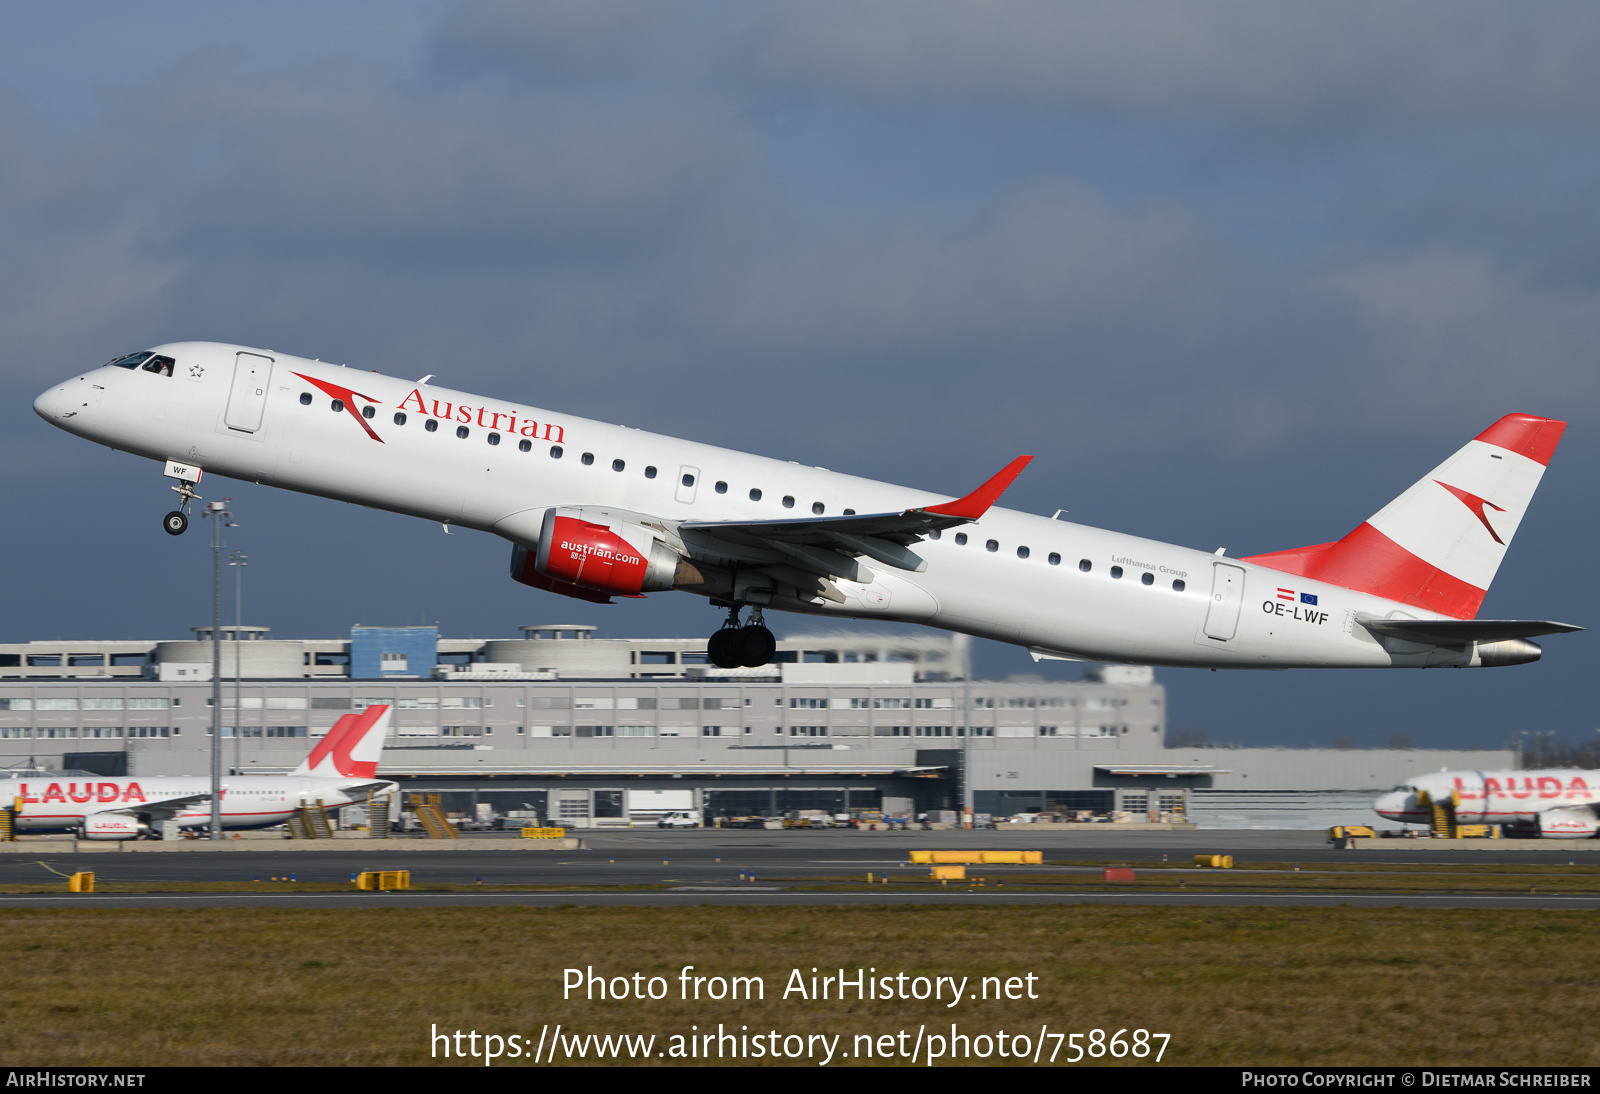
[
  {"x": 176, "y": 522},
  {"x": 748, "y": 647}
]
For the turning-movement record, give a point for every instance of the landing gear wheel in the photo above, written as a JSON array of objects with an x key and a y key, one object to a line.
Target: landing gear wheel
[
  {"x": 175, "y": 523},
  {"x": 722, "y": 649},
  {"x": 756, "y": 646}
]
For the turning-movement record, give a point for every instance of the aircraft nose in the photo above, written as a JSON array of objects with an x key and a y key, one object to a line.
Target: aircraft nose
[
  {"x": 1392, "y": 804},
  {"x": 47, "y": 403}
]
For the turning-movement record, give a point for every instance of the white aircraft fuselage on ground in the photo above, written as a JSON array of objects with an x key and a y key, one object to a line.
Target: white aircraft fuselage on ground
[
  {"x": 340, "y": 770},
  {"x": 1555, "y": 803},
  {"x": 596, "y": 510}
]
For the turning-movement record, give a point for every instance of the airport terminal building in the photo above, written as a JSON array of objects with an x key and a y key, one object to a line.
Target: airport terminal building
[{"x": 591, "y": 731}]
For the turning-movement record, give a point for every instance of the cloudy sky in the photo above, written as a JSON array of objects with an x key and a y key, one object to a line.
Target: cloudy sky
[{"x": 1236, "y": 273}]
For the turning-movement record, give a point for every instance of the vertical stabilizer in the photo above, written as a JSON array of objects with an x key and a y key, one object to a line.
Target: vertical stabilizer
[
  {"x": 1438, "y": 545},
  {"x": 351, "y": 748}
]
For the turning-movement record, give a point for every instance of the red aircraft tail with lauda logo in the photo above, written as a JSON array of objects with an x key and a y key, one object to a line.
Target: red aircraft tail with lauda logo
[
  {"x": 351, "y": 749},
  {"x": 1438, "y": 545}
]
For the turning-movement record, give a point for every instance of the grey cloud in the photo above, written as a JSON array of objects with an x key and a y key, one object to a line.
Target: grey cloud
[{"x": 1382, "y": 61}]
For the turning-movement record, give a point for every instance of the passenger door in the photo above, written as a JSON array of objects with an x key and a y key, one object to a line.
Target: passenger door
[{"x": 252, "y": 374}]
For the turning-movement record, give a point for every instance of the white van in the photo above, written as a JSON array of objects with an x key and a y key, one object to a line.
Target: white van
[{"x": 680, "y": 819}]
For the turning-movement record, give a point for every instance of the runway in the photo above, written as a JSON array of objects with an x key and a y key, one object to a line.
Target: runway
[{"x": 705, "y": 866}]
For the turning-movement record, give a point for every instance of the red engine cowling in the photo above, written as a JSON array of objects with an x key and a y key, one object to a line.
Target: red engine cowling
[{"x": 589, "y": 559}]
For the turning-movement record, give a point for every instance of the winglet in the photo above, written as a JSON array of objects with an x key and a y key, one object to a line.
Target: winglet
[{"x": 977, "y": 503}]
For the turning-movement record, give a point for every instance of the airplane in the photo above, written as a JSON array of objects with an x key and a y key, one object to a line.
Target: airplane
[
  {"x": 340, "y": 770},
  {"x": 1554, "y": 804},
  {"x": 594, "y": 511}
]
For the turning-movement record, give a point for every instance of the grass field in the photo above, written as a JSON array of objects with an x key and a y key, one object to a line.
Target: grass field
[{"x": 1232, "y": 986}]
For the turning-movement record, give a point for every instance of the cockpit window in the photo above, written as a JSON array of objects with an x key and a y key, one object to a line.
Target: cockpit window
[
  {"x": 133, "y": 360},
  {"x": 158, "y": 364}
]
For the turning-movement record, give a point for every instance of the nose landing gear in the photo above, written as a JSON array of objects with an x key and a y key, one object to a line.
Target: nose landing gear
[
  {"x": 176, "y": 522},
  {"x": 735, "y": 647}
]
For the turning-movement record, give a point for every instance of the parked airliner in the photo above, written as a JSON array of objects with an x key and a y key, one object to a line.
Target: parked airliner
[
  {"x": 1555, "y": 804},
  {"x": 340, "y": 770},
  {"x": 595, "y": 510}
]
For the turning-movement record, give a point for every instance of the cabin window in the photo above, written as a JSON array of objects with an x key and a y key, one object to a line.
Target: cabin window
[
  {"x": 588, "y": 458},
  {"x": 369, "y": 412},
  {"x": 1054, "y": 559},
  {"x": 494, "y": 438},
  {"x": 1022, "y": 552},
  {"x": 935, "y": 534},
  {"x": 431, "y": 425},
  {"x": 305, "y": 398},
  {"x": 755, "y": 494},
  {"x": 1116, "y": 571},
  {"x": 400, "y": 418},
  {"x": 649, "y": 472},
  {"x": 961, "y": 539},
  {"x": 338, "y": 405},
  {"x": 849, "y": 512},
  {"x": 1177, "y": 585},
  {"x": 524, "y": 445},
  {"x": 462, "y": 431},
  {"x": 788, "y": 501},
  {"x": 555, "y": 452},
  {"x": 688, "y": 480},
  {"x": 617, "y": 465},
  {"x": 992, "y": 545},
  {"x": 1085, "y": 565},
  {"x": 1147, "y": 579},
  {"x": 722, "y": 488},
  {"x": 816, "y": 507}
]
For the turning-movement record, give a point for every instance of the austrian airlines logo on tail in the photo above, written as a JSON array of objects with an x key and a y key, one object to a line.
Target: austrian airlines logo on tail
[
  {"x": 1476, "y": 504},
  {"x": 352, "y": 747}
]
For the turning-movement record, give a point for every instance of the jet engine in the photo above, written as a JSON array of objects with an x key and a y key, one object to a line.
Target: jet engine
[
  {"x": 108, "y": 825},
  {"x": 1568, "y": 822},
  {"x": 593, "y": 559}
]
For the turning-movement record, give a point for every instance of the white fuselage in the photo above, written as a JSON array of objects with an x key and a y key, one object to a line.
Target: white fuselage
[
  {"x": 1079, "y": 592},
  {"x": 1517, "y": 798},
  {"x": 59, "y": 804}
]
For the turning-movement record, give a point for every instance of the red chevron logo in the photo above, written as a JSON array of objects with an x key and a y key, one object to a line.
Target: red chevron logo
[{"x": 1476, "y": 504}]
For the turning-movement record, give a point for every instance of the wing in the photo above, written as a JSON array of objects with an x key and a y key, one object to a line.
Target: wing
[
  {"x": 884, "y": 537},
  {"x": 161, "y": 808},
  {"x": 1458, "y": 632}
]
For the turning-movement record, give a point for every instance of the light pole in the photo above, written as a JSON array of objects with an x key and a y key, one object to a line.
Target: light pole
[
  {"x": 237, "y": 559},
  {"x": 220, "y": 514}
]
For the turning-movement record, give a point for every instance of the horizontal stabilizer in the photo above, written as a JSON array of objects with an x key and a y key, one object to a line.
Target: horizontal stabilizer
[{"x": 1459, "y": 632}]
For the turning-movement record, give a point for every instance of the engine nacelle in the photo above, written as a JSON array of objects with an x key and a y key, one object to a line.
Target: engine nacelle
[
  {"x": 111, "y": 826},
  {"x": 1568, "y": 822},
  {"x": 614, "y": 557}
]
